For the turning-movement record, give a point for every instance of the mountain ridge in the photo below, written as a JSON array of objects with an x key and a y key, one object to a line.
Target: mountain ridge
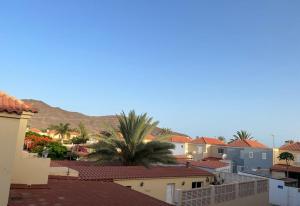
[{"x": 49, "y": 115}]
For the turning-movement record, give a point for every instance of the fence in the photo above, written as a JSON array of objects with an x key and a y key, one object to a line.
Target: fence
[{"x": 218, "y": 194}]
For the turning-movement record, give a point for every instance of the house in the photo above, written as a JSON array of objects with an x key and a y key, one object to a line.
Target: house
[
  {"x": 203, "y": 147},
  {"x": 181, "y": 144},
  {"x": 17, "y": 166},
  {"x": 248, "y": 155},
  {"x": 280, "y": 168},
  {"x": 159, "y": 182}
]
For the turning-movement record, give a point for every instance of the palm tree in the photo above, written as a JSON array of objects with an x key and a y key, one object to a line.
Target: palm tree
[
  {"x": 61, "y": 129},
  {"x": 130, "y": 148},
  {"x": 288, "y": 157},
  {"x": 241, "y": 135},
  {"x": 83, "y": 131},
  {"x": 221, "y": 138},
  {"x": 165, "y": 131}
]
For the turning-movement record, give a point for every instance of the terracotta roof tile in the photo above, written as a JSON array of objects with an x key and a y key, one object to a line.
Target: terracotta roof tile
[
  {"x": 180, "y": 139},
  {"x": 213, "y": 164},
  {"x": 35, "y": 130},
  {"x": 208, "y": 140},
  {"x": 10, "y": 104},
  {"x": 109, "y": 173},
  {"x": 81, "y": 193},
  {"x": 247, "y": 143},
  {"x": 291, "y": 147}
]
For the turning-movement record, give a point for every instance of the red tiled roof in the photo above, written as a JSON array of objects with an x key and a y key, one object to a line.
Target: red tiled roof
[
  {"x": 180, "y": 139},
  {"x": 150, "y": 137},
  {"x": 208, "y": 140},
  {"x": 10, "y": 104},
  {"x": 109, "y": 173},
  {"x": 291, "y": 147},
  {"x": 35, "y": 130},
  {"x": 211, "y": 158},
  {"x": 81, "y": 193},
  {"x": 282, "y": 168},
  {"x": 247, "y": 143},
  {"x": 181, "y": 157},
  {"x": 214, "y": 164}
]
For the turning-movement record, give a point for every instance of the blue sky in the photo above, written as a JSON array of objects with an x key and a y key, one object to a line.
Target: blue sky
[{"x": 204, "y": 68}]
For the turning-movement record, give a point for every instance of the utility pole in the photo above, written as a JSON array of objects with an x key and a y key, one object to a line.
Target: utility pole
[{"x": 273, "y": 138}]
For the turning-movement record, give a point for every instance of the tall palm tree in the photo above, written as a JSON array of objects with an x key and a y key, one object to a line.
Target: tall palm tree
[
  {"x": 130, "y": 148},
  {"x": 61, "y": 129},
  {"x": 288, "y": 157},
  {"x": 241, "y": 135},
  {"x": 83, "y": 131}
]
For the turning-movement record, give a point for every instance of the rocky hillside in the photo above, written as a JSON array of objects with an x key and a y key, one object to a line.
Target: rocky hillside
[{"x": 49, "y": 115}]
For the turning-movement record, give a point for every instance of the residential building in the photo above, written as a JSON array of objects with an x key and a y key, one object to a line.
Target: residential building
[
  {"x": 159, "y": 182},
  {"x": 203, "y": 147},
  {"x": 280, "y": 168},
  {"x": 248, "y": 155},
  {"x": 181, "y": 144},
  {"x": 17, "y": 166}
]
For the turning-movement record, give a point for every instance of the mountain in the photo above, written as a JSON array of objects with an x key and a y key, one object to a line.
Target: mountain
[{"x": 49, "y": 115}]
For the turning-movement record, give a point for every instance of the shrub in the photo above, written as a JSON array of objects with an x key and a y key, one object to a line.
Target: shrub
[
  {"x": 79, "y": 140},
  {"x": 56, "y": 150}
]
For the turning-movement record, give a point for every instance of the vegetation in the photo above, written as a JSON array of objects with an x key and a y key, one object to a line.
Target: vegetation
[
  {"x": 126, "y": 146},
  {"x": 165, "y": 131},
  {"x": 55, "y": 150},
  {"x": 288, "y": 157},
  {"x": 62, "y": 130},
  {"x": 221, "y": 138},
  {"x": 241, "y": 135}
]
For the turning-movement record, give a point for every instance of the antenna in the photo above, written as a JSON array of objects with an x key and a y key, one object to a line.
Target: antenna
[{"x": 273, "y": 138}]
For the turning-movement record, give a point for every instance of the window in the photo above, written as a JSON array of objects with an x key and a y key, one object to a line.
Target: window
[
  {"x": 220, "y": 150},
  {"x": 264, "y": 155},
  {"x": 196, "y": 185},
  {"x": 181, "y": 146},
  {"x": 251, "y": 155}
]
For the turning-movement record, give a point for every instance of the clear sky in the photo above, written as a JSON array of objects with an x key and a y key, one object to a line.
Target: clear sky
[{"x": 205, "y": 68}]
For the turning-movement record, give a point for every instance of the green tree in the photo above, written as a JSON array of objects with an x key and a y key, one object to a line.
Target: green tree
[
  {"x": 241, "y": 135},
  {"x": 130, "y": 148},
  {"x": 62, "y": 130},
  {"x": 288, "y": 157}
]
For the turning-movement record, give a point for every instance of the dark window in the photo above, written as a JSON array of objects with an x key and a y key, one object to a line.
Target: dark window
[
  {"x": 220, "y": 150},
  {"x": 196, "y": 185}
]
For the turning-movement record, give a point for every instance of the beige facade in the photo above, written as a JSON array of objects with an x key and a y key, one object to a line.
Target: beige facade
[
  {"x": 17, "y": 166},
  {"x": 296, "y": 154},
  {"x": 157, "y": 187},
  {"x": 201, "y": 151}
]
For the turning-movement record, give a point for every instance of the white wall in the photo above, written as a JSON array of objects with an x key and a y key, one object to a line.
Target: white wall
[
  {"x": 179, "y": 148},
  {"x": 281, "y": 195}
]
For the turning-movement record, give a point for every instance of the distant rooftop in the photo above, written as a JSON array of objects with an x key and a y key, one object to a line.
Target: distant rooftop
[
  {"x": 291, "y": 147},
  {"x": 180, "y": 139},
  {"x": 208, "y": 140},
  {"x": 247, "y": 143},
  {"x": 210, "y": 164}
]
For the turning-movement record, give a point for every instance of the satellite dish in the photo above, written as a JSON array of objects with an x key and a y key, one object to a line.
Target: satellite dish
[{"x": 224, "y": 156}]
